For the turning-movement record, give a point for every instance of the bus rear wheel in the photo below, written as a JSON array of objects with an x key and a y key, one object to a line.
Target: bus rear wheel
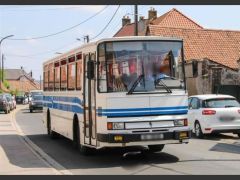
[
  {"x": 50, "y": 132},
  {"x": 156, "y": 148}
]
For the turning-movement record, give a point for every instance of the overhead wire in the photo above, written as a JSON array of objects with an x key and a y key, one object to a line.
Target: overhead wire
[
  {"x": 105, "y": 27},
  {"x": 62, "y": 31}
]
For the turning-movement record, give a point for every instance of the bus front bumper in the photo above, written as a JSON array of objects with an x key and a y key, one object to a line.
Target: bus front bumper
[{"x": 177, "y": 136}]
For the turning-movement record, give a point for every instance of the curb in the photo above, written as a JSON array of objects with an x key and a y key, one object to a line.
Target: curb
[{"x": 50, "y": 162}]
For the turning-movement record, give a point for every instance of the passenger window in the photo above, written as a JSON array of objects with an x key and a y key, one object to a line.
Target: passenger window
[
  {"x": 45, "y": 78},
  {"x": 57, "y": 77},
  {"x": 189, "y": 101},
  {"x": 194, "y": 103},
  {"x": 51, "y": 77},
  {"x": 79, "y": 72},
  {"x": 71, "y": 76},
  {"x": 63, "y": 75}
]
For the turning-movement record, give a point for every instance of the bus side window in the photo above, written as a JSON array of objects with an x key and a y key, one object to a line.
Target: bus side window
[
  {"x": 79, "y": 74},
  {"x": 63, "y": 75},
  {"x": 45, "y": 78},
  {"x": 57, "y": 77},
  {"x": 51, "y": 77},
  {"x": 71, "y": 73}
]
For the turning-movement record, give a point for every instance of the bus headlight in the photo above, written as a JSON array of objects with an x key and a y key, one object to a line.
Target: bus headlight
[
  {"x": 180, "y": 122},
  {"x": 115, "y": 125}
]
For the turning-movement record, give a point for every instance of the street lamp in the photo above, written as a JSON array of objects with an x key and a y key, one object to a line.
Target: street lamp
[{"x": 1, "y": 51}]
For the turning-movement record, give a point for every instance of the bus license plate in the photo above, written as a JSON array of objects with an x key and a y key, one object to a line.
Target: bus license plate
[{"x": 146, "y": 137}]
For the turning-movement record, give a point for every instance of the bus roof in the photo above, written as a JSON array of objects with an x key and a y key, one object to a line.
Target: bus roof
[{"x": 125, "y": 38}]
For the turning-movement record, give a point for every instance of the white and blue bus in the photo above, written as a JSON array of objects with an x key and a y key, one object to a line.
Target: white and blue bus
[{"x": 118, "y": 92}]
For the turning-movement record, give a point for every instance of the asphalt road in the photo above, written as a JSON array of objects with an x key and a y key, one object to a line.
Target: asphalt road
[{"x": 219, "y": 154}]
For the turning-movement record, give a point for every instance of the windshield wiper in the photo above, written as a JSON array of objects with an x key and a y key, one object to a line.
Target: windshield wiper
[
  {"x": 135, "y": 84},
  {"x": 157, "y": 81}
]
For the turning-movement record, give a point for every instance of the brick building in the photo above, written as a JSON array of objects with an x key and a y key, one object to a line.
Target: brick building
[
  {"x": 20, "y": 80},
  {"x": 212, "y": 55}
]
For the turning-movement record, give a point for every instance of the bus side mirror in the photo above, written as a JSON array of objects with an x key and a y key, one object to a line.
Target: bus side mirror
[{"x": 90, "y": 69}]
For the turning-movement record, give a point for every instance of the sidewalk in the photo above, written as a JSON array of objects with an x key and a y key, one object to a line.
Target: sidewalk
[{"x": 15, "y": 156}]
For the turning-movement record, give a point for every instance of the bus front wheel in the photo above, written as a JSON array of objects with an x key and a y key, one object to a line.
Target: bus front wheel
[{"x": 76, "y": 138}]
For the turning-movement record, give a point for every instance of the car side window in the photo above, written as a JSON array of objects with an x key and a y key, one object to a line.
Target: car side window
[
  {"x": 194, "y": 103},
  {"x": 189, "y": 102}
]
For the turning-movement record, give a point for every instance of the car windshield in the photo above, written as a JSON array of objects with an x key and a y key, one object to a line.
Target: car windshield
[
  {"x": 140, "y": 66},
  {"x": 221, "y": 103},
  {"x": 38, "y": 98}
]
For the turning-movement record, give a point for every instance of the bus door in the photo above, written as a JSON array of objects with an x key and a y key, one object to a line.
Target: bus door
[{"x": 89, "y": 101}]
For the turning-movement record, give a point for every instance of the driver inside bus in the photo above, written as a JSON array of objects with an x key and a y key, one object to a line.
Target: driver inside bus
[{"x": 164, "y": 69}]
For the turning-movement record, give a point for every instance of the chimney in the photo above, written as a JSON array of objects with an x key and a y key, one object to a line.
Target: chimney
[
  {"x": 126, "y": 20},
  {"x": 152, "y": 14},
  {"x": 21, "y": 67},
  {"x": 31, "y": 73}
]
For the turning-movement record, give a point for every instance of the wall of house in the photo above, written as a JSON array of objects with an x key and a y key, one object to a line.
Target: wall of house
[{"x": 203, "y": 83}]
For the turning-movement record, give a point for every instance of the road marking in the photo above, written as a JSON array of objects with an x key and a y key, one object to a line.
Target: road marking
[{"x": 49, "y": 161}]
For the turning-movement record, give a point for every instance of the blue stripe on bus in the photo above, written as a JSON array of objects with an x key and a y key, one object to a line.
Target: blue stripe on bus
[
  {"x": 173, "y": 110},
  {"x": 145, "y": 109},
  {"x": 128, "y": 114}
]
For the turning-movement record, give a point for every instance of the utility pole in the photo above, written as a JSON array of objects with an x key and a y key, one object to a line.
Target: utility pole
[{"x": 136, "y": 20}]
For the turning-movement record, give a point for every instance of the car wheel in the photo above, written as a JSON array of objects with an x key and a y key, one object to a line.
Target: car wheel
[
  {"x": 6, "y": 111},
  {"x": 198, "y": 130},
  {"x": 156, "y": 148}
]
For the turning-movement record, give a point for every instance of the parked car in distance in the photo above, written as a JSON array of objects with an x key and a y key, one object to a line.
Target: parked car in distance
[
  {"x": 20, "y": 99},
  {"x": 211, "y": 113},
  {"x": 14, "y": 102},
  {"x": 4, "y": 104},
  {"x": 10, "y": 100},
  {"x": 36, "y": 102}
]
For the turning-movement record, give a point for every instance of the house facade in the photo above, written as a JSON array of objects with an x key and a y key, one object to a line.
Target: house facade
[
  {"x": 21, "y": 81},
  {"x": 212, "y": 55}
]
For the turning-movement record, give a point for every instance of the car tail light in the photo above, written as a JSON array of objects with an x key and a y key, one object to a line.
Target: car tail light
[{"x": 208, "y": 112}]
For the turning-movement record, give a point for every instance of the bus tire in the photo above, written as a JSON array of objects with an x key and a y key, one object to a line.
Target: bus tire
[
  {"x": 156, "y": 148},
  {"x": 76, "y": 138},
  {"x": 50, "y": 132},
  {"x": 76, "y": 133}
]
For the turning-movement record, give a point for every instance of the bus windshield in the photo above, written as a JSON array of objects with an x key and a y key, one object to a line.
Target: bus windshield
[{"x": 140, "y": 66}]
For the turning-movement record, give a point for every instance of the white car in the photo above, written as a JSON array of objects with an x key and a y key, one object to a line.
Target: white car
[{"x": 211, "y": 113}]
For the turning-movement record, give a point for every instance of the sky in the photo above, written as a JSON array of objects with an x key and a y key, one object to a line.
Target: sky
[{"x": 25, "y": 22}]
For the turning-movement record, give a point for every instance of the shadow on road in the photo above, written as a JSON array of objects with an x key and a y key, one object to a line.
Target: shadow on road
[
  {"x": 63, "y": 152},
  {"x": 219, "y": 137},
  {"x": 18, "y": 153},
  {"x": 223, "y": 147}
]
